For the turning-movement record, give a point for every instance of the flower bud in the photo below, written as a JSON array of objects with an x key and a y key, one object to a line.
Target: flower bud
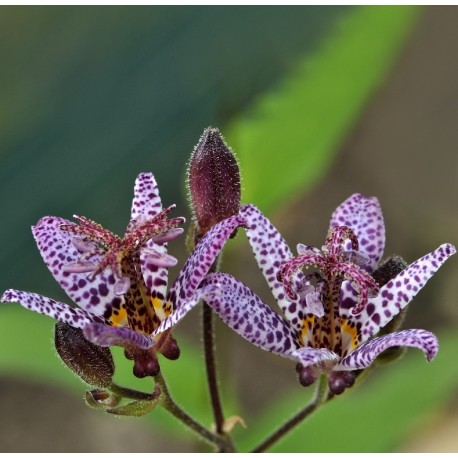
[
  {"x": 145, "y": 363},
  {"x": 101, "y": 399},
  {"x": 338, "y": 382},
  {"x": 388, "y": 269},
  {"x": 93, "y": 364},
  {"x": 213, "y": 181},
  {"x": 306, "y": 375}
]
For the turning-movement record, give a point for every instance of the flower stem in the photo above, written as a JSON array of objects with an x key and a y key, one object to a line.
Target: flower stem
[
  {"x": 210, "y": 364},
  {"x": 172, "y": 407},
  {"x": 131, "y": 394},
  {"x": 319, "y": 399}
]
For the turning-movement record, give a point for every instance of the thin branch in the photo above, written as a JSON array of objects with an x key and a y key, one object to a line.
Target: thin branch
[
  {"x": 171, "y": 406},
  {"x": 319, "y": 399}
]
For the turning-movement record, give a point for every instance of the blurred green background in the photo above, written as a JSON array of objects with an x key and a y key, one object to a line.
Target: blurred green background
[{"x": 318, "y": 103}]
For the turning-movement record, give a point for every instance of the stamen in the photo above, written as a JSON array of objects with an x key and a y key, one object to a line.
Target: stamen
[
  {"x": 122, "y": 286},
  {"x": 356, "y": 257},
  {"x": 84, "y": 245},
  {"x": 160, "y": 259},
  {"x": 79, "y": 267},
  {"x": 168, "y": 236}
]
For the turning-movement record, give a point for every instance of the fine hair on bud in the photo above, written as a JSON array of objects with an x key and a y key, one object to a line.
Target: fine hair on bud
[
  {"x": 92, "y": 363},
  {"x": 213, "y": 181}
]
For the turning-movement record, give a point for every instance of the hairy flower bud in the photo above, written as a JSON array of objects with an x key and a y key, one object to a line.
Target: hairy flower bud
[
  {"x": 93, "y": 364},
  {"x": 388, "y": 269},
  {"x": 213, "y": 181}
]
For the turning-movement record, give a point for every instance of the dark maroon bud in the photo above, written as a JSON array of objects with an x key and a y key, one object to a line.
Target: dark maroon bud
[
  {"x": 213, "y": 181},
  {"x": 170, "y": 348},
  {"x": 337, "y": 382},
  {"x": 388, "y": 269},
  {"x": 307, "y": 376},
  {"x": 93, "y": 364},
  {"x": 146, "y": 364},
  {"x": 348, "y": 378}
]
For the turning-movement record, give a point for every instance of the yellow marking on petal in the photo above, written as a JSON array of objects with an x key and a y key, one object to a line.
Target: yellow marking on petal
[
  {"x": 349, "y": 335},
  {"x": 168, "y": 307},
  {"x": 119, "y": 317},
  {"x": 158, "y": 305},
  {"x": 307, "y": 328}
]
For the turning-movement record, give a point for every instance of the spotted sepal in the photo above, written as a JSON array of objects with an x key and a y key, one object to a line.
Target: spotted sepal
[
  {"x": 364, "y": 216},
  {"x": 365, "y": 355},
  {"x": 243, "y": 311},
  {"x": 146, "y": 202},
  {"x": 394, "y": 296},
  {"x": 309, "y": 356},
  {"x": 46, "y": 306},
  {"x": 93, "y": 293},
  {"x": 270, "y": 251},
  {"x": 200, "y": 261},
  {"x": 105, "y": 336}
]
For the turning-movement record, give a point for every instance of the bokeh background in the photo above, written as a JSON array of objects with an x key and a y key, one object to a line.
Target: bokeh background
[{"x": 318, "y": 103}]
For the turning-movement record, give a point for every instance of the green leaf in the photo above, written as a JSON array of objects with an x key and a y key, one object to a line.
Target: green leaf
[{"x": 288, "y": 139}]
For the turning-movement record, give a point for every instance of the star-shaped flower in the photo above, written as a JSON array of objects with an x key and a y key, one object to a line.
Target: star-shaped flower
[
  {"x": 331, "y": 315},
  {"x": 120, "y": 284}
]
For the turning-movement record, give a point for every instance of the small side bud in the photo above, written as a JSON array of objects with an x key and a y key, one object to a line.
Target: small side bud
[
  {"x": 391, "y": 354},
  {"x": 93, "y": 364},
  {"x": 213, "y": 181},
  {"x": 306, "y": 375},
  {"x": 338, "y": 382},
  {"x": 145, "y": 364},
  {"x": 101, "y": 399},
  {"x": 170, "y": 349},
  {"x": 388, "y": 269}
]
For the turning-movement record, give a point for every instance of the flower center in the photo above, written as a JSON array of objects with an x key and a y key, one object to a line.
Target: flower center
[
  {"x": 101, "y": 249},
  {"x": 321, "y": 288}
]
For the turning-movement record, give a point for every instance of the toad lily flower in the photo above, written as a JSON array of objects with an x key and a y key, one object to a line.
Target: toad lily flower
[
  {"x": 119, "y": 284},
  {"x": 329, "y": 326}
]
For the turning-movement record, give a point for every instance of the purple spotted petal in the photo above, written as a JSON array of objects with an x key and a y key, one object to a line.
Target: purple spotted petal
[
  {"x": 105, "y": 336},
  {"x": 179, "y": 313},
  {"x": 93, "y": 293},
  {"x": 397, "y": 293},
  {"x": 308, "y": 356},
  {"x": 271, "y": 250},
  {"x": 246, "y": 314},
  {"x": 365, "y": 355},
  {"x": 57, "y": 310},
  {"x": 146, "y": 202},
  {"x": 200, "y": 261},
  {"x": 364, "y": 216}
]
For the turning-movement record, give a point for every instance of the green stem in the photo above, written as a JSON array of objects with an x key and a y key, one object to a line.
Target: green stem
[
  {"x": 172, "y": 407},
  {"x": 319, "y": 399},
  {"x": 131, "y": 394}
]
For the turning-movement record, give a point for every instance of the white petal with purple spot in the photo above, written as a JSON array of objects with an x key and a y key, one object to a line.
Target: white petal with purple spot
[
  {"x": 397, "y": 293},
  {"x": 146, "y": 202},
  {"x": 94, "y": 293},
  {"x": 364, "y": 216},
  {"x": 271, "y": 250},
  {"x": 105, "y": 336},
  {"x": 201, "y": 259},
  {"x": 246, "y": 314},
  {"x": 365, "y": 355},
  {"x": 308, "y": 356},
  {"x": 46, "y": 306}
]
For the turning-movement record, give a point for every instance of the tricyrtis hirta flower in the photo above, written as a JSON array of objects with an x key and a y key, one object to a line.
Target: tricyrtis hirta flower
[
  {"x": 332, "y": 314},
  {"x": 119, "y": 284}
]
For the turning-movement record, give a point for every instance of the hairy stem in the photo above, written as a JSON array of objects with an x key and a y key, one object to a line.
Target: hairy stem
[
  {"x": 171, "y": 406},
  {"x": 319, "y": 399},
  {"x": 131, "y": 394}
]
